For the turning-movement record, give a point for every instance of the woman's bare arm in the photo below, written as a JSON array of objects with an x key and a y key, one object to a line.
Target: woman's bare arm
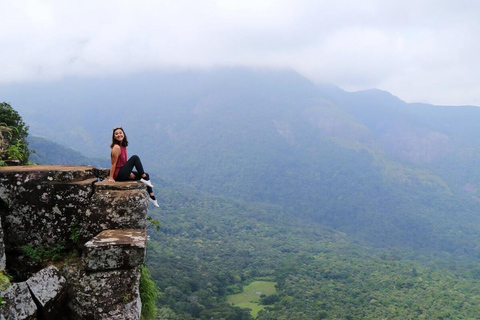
[{"x": 116, "y": 151}]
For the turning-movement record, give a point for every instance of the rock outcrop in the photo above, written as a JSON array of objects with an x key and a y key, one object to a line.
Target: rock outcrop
[
  {"x": 112, "y": 294},
  {"x": 115, "y": 249},
  {"x": 52, "y": 211},
  {"x": 5, "y": 136},
  {"x": 19, "y": 303},
  {"x": 48, "y": 289},
  {"x": 3, "y": 259}
]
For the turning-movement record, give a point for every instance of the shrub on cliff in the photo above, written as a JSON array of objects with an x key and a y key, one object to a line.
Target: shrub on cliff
[
  {"x": 4, "y": 284},
  {"x": 18, "y": 148},
  {"x": 148, "y": 294}
]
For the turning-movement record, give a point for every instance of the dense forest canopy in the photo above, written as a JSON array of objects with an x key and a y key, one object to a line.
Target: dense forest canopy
[{"x": 210, "y": 247}]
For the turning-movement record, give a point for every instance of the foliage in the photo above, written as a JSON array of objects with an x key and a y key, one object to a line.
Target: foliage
[
  {"x": 155, "y": 223},
  {"x": 19, "y": 145},
  {"x": 16, "y": 151},
  {"x": 75, "y": 233},
  {"x": 148, "y": 294},
  {"x": 210, "y": 244},
  {"x": 4, "y": 280},
  {"x": 4, "y": 284},
  {"x": 43, "y": 255},
  {"x": 270, "y": 299}
]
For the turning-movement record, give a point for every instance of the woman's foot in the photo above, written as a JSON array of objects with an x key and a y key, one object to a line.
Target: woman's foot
[
  {"x": 153, "y": 201},
  {"x": 147, "y": 182}
]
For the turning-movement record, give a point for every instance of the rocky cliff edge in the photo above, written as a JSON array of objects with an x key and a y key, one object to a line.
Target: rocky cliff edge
[{"x": 72, "y": 246}]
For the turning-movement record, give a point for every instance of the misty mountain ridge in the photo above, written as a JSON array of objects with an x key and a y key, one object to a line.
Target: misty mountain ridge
[
  {"x": 366, "y": 162},
  {"x": 48, "y": 152}
]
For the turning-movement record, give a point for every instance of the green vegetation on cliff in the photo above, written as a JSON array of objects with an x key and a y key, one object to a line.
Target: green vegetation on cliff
[
  {"x": 148, "y": 294},
  {"x": 18, "y": 132},
  {"x": 4, "y": 284}
]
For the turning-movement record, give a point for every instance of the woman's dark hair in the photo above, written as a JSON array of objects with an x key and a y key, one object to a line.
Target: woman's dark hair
[{"x": 115, "y": 141}]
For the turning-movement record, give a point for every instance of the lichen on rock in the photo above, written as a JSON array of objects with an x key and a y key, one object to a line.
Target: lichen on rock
[
  {"x": 48, "y": 288},
  {"x": 19, "y": 303},
  {"x": 64, "y": 208},
  {"x": 3, "y": 259},
  {"x": 115, "y": 249},
  {"x": 110, "y": 294}
]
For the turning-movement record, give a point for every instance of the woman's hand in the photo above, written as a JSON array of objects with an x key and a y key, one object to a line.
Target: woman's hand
[
  {"x": 132, "y": 176},
  {"x": 110, "y": 179}
]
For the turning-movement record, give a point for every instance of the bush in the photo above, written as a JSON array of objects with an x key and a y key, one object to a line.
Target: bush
[
  {"x": 4, "y": 284},
  {"x": 42, "y": 254},
  {"x": 18, "y": 149},
  {"x": 268, "y": 300},
  {"x": 148, "y": 294}
]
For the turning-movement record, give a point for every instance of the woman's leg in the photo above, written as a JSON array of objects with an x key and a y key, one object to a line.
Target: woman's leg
[
  {"x": 146, "y": 177},
  {"x": 133, "y": 162},
  {"x": 152, "y": 198}
]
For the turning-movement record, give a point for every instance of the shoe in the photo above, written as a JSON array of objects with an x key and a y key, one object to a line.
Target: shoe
[
  {"x": 154, "y": 202},
  {"x": 147, "y": 182}
]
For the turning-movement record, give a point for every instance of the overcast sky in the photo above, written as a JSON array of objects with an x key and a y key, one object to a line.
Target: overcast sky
[{"x": 419, "y": 50}]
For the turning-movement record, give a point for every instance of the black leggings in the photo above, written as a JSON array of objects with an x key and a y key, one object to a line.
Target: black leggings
[{"x": 133, "y": 162}]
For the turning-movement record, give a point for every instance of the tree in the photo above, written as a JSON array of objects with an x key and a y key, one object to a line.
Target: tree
[{"x": 10, "y": 118}]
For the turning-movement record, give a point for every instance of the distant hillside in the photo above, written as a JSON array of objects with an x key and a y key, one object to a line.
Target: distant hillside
[
  {"x": 48, "y": 152},
  {"x": 365, "y": 163}
]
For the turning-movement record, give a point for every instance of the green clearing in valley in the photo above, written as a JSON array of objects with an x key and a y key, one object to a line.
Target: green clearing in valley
[{"x": 250, "y": 296}]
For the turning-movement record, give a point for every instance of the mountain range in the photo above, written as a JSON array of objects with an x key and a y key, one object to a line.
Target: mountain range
[{"x": 391, "y": 173}]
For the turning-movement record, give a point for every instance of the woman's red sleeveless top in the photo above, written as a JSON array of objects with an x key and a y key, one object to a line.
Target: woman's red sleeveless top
[{"x": 122, "y": 159}]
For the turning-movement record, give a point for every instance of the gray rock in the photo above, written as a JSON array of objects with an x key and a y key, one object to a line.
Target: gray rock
[
  {"x": 5, "y": 138},
  {"x": 64, "y": 207},
  {"x": 43, "y": 200},
  {"x": 103, "y": 295},
  {"x": 63, "y": 200},
  {"x": 115, "y": 249},
  {"x": 48, "y": 288},
  {"x": 115, "y": 205},
  {"x": 3, "y": 259},
  {"x": 19, "y": 303}
]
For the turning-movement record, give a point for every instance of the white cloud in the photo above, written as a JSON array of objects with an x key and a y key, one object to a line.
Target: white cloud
[{"x": 420, "y": 50}]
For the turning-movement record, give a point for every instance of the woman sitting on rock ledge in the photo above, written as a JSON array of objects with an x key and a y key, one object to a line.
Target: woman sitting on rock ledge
[{"x": 122, "y": 170}]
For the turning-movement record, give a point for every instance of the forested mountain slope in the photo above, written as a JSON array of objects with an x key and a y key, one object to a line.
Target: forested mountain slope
[
  {"x": 365, "y": 163},
  {"x": 48, "y": 152}
]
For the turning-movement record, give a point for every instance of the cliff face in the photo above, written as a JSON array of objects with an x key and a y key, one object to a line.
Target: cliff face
[
  {"x": 93, "y": 231},
  {"x": 5, "y": 134}
]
